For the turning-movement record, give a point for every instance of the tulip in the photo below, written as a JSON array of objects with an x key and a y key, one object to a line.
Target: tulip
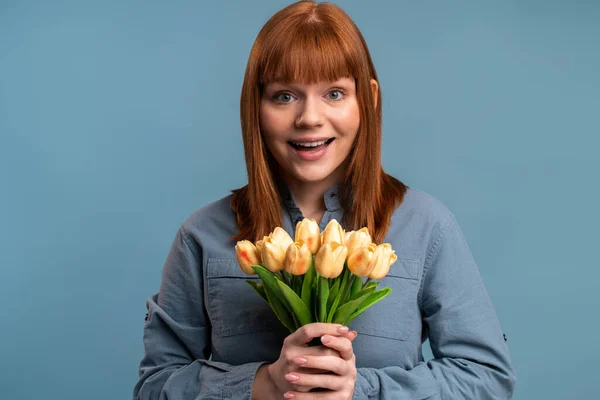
[
  {"x": 297, "y": 258},
  {"x": 357, "y": 239},
  {"x": 247, "y": 256},
  {"x": 307, "y": 230},
  {"x": 330, "y": 259},
  {"x": 333, "y": 233},
  {"x": 273, "y": 255},
  {"x": 282, "y": 238},
  {"x": 382, "y": 260},
  {"x": 259, "y": 245},
  {"x": 359, "y": 262}
]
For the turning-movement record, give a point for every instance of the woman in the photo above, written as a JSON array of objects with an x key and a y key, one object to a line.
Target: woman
[{"x": 311, "y": 125}]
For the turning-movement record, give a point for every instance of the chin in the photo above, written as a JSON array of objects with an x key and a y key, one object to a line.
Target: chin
[{"x": 312, "y": 177}]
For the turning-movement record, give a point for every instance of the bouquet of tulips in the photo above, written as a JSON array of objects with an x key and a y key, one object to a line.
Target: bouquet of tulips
[{"x": 317, "y": 276}]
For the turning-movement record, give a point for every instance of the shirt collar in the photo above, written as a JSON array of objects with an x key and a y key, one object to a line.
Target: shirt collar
[{"x": 331, "y": 197}]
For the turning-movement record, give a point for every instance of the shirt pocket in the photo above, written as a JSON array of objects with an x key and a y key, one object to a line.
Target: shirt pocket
[
  {"x": 233, "y": 307},
  {"x": 395, "y": 316}
]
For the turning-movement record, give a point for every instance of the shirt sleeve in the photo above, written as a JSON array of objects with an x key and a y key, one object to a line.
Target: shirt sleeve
[
  {"x": 471, "y": 358},
  {"x": 176, "y": 338}
]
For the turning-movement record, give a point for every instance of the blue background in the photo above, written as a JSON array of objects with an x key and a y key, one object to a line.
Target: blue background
[{"x": 120, "y": 118}]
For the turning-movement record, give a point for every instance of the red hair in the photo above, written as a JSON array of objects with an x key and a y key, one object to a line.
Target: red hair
[{"x": 309, "y": 42}]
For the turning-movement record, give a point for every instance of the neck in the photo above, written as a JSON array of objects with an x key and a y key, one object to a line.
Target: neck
[{"x": 310, "y": 196}]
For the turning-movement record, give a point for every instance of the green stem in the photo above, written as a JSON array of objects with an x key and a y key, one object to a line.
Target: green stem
[{"x": 366, "y": 282}]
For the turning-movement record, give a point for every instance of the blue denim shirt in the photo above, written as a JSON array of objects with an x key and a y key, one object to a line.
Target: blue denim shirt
[{"x": 207, "y": 331}]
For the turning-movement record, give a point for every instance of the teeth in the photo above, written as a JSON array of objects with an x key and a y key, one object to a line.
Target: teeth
[{"x": 310, "y": 144}]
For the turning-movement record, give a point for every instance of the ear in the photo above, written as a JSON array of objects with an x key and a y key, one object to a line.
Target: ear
[{"x": 375, "y": 90}]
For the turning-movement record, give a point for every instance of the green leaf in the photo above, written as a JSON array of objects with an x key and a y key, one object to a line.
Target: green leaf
[
  {"x": 323, "y": 298},
  {"x": 307, "y": 286},
  {"x": 348, "y": 287},
  {"x": 280, "y": 310},
  {"x": 372, "y": 299},
  {"x": 363, "y": 291},
  {"x": 333, "y": 290},
  {"x": 258, "y": 288},
  {"x": 300, "y": 310},
  {"x": 344, "y": 311},
  {"x": 356, "y": 286},
  {"x": 339, "y": 294},
  {"x": 276, "y": 300}
]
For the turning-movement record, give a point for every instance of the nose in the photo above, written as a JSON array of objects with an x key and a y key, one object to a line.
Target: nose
[{"x": 310, "y": 114}]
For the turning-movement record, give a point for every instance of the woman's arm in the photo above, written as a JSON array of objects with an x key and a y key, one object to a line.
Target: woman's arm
[
  {"x": 471, "y": 356},
  {"x": 177, "y": 338}
]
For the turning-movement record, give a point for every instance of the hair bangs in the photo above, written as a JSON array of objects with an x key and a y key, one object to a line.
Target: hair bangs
[{"x": 307, "y": 53}]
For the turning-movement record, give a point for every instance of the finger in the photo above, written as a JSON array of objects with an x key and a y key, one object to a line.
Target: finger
[
  {"x": 325, "y": 395},
  {"x": 328, "y": 363},
  {"x": 325, "y": 381},
  {"x": 321, "y": 350},
  {"x": 341, "y": 344},
  {"x": 308, "y": 332},
  {"x": 351, "y": 335}
]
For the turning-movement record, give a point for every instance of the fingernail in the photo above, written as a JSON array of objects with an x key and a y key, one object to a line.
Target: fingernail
[
  {"x": 289, "y": 395},
  {"x": 355, "y": 333},
  {"x": 300, "y": 360},
  {"x": 292, "y": 377},
  {"x": 342, "y": 329},
  {"x": 325, "y": 339}
]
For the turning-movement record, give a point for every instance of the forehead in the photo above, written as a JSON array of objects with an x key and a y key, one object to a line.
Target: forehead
[{"x": 307, "y": 56}]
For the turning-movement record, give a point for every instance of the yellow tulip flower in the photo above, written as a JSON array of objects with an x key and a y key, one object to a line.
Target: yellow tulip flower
[
  {"x": 247, "y": 256},
  {"x": 273, "y": 255},
  {"x": 282, "y": 238},
  {"x": 359, "y": 262},
  {"x": 333, "y": 233},
  {"x": 357, "y": 239},
  {"x": 330, "y": 259},
  {"x": 297, "y": 258},
  {"x": 259, "y": 245},
  {"x": 382, "y": 260},
  {"x": 307, "y": 231}
]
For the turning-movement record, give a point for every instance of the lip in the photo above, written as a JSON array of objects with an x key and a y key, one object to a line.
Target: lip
[
  {"x": 311, "y": 139},
  {"x": 313, "y": 155}
]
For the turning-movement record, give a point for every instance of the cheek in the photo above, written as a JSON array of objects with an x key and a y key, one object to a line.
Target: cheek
[
  {"x": 347, "y": 119},
  {"x": 273, "y": 124}
]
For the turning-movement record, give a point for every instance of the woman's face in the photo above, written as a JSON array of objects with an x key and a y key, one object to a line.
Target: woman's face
[{"x": 310, "y": 128}]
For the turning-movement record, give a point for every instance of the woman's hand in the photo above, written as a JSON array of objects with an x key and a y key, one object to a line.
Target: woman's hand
[
  {"x": 319, "y": 358},
  {"x": 341, "y": 373}
]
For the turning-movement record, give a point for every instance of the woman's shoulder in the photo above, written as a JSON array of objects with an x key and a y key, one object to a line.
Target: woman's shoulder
[
  {"x": 424, "y": 207},
  {"x": 215, "y": 219}
]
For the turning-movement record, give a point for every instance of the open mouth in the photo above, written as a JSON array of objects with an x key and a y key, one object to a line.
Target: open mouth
[{"x": 311, "y": 146}]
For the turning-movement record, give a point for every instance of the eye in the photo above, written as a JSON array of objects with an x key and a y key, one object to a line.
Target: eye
[
  {"x": 335, "y": 94},
  {"x": 283, "y": 97}
]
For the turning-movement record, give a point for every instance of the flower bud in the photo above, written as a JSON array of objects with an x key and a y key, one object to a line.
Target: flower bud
[
  {"x": 357, "y": 239},
  {"x": 382, "y": 260},
  {"x": 297, "y": 258},
  {"x": 330, "y": 259},
  {"x": 247, "y": 256},
  {"x": 259, "y": 246},
  {"x": 272, "y": 255},
  {"x": 359, "y": 262},
  {"x": 333, "y": 233},
  {"x": 282, "y": 238},
  {"x": 307, "y": 230}
]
